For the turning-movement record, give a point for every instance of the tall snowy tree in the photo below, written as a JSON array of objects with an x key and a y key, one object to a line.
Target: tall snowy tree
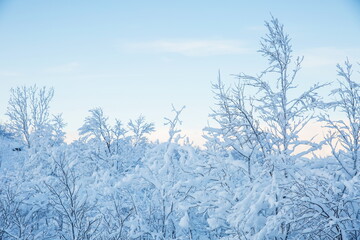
[{"x": 263, "y": 130}]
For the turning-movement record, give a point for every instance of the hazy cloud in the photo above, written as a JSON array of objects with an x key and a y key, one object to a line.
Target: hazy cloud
[
  {"x": 189, "y": 47},
  {"x": 9, "y": 74},
  {"x": 328, "y": 56},
  {"x": 256, "y": 28},
  {"x": 64, "y": 68}
]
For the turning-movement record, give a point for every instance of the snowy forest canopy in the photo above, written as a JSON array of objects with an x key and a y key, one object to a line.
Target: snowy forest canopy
[{"x": 253, "y": 179}]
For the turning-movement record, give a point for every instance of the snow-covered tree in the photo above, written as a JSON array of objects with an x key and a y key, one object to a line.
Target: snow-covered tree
[
  {"x": 139, "y": 129},
  {"x": 255, "y": 178},
  {"x": 28, "y": 110},
  {"x": 73, "y": 215},
  {"x": 331, "y": 194},
  {"x": 344, "y": 135},
  {"x": 116, "y": 146},
  {"x": 96, "y": 126},
  {"x": 263, "y": 131}
]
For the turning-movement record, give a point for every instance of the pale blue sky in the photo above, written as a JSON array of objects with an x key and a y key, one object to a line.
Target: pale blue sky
[{"x": 139, "y": 57}]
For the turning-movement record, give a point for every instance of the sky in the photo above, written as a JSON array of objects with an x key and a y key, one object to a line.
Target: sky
[{"x": 139, "y": 57}]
